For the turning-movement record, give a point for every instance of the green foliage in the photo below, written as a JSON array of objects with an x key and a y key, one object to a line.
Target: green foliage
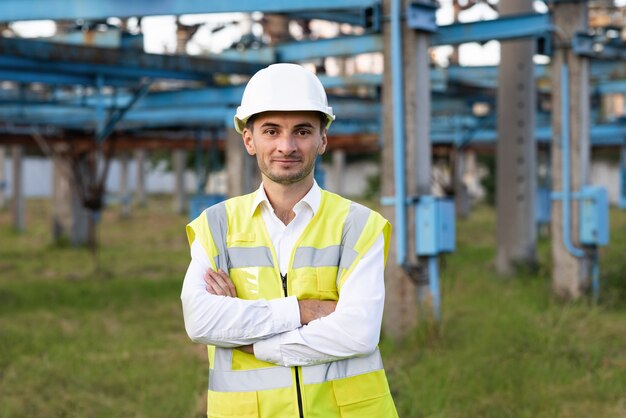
[
  {"x": 80, "y": 342},
  {"x": 372, "y": 191},
  {"x": 489, "y": 180}
]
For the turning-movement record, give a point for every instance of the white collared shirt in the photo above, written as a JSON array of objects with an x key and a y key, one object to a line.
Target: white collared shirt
[
  {"x": 274, "y": 326},
  {"x": 283, "y": 236}
]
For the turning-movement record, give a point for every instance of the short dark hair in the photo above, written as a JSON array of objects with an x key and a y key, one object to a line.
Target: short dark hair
[{"x": 323, "y": 121}]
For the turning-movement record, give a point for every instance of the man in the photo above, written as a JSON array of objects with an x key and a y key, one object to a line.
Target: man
[{"x": 285, "y": 285}]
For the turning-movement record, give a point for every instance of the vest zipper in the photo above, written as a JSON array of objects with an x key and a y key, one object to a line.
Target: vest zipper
[
  {"x": 299, "y": 393},
  {"x": 284, "y": 279}
]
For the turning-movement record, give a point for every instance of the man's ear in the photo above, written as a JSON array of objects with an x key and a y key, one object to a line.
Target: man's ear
[
  {"x": 322, "y": 148},
  {"x": 248, "y": 142}
]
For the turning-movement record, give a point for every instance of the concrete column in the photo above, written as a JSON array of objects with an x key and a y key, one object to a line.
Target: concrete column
[
  {"x": 241, "y": 168},
  {"x": 276, "y": 27},
  {"x": 419, "y": 152},
  {"x": 461, "y": 195},
  {"x": 339, "y": 168},
  {"x": 17, "y": 203},
  {"x": 124, "y": 192},
  {"x": 516, "y": 235},
  {"x": 184, "y": 33},
  {"x": 140, "y": 191},
  {"x": 179, "y": 158},
  {"x": 401, "y": 296},
  {"x": 70, "y": 220},
  {"x": 570, "y": 275},
  {"x": 61, "y": 195},
  {"x": 470, "y": 177},
  {"x": 456, "y": 10},
  {"x": 3, "y": 179}
]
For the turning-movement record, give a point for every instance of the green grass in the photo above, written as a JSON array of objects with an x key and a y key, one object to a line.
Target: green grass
[
  {"x": 78, "y": 340},
  {"x": 506, "y": 348}
]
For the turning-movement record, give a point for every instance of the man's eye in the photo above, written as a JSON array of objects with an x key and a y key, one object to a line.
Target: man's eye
[
  {"x": 304, "y": 132},
  {"x": 271, "y": 132}
]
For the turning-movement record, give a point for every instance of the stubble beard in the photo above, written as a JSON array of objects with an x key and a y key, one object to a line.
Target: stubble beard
[{"x": 289, "y": 178}]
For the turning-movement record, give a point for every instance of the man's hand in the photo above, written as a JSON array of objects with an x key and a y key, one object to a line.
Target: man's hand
[
  {"x": 312, "y": 309},
  {"x": 246, "y": 349},
  {"x": 218, "y": 283}
]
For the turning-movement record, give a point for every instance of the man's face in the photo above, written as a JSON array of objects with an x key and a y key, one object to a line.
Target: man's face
[{"x": 286, "y": 145}]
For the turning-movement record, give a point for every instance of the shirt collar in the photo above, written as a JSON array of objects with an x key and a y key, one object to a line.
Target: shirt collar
[{"x": 313, "y": 199}]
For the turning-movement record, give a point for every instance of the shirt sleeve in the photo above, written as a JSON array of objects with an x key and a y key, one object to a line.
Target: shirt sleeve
[
  {"x": 352, "y": 330},
  {"x": 230, "y": 322}
]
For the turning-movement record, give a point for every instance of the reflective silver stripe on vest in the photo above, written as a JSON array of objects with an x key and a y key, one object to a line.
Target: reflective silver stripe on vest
[
  {"x": 250, "y": 257},
  {"x": 317, "y": 257},
  {"x": 352, "y": 230},
  {"x": 342, "y": 368},
  {"x": 223, "y": 359},
  {"x": 250, "y": 380},
  {"x": 218, "y": 225},
  {"x": 223, "y": 379}
]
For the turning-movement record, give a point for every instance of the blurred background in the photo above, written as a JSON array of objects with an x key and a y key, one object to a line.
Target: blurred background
[{"x": 490, "y": 133}]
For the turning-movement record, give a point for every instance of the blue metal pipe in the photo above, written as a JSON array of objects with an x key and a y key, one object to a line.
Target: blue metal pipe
[
  {"x": 398, "y": 130},
  {"x": 567, "y": 239},
  {"x": 433, "y": 281}
]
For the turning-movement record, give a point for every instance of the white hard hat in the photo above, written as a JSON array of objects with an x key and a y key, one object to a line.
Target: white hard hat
[{"x": 282, "y": 87}]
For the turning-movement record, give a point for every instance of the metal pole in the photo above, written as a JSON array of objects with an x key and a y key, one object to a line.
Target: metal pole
[
  {"x": 398, "y": 131},
  {"x": 433, "y": 280}
]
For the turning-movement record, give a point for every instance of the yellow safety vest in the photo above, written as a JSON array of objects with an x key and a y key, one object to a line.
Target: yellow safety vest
[{"x": 333, "y": 242}]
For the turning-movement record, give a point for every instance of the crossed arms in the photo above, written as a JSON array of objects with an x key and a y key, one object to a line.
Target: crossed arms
[
  {"x": 218, "y": 283},
  {"x": 286, "y": 331}
]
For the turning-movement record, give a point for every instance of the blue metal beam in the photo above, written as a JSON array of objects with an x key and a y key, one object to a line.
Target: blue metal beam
[
  {"x": 307, "y": 50},
  {"x": 14, "y": 10},
  {"x": 367, "y": 17},
  {"x": 25, "y": 76},
  {"x": 87, "y": 118},
  {"x": 611, "y": 87},
  {"x": 503, "y": 28},
  {"x": 33, "y": 56},
  {"x": 215, "y": 97},
  {"x": 588, "y": 46},
  {"x": 339, "y": 46},
  {"x": 608, "y": 69},
  {"x": 118, "y": 114},
  {"x": 218, "y": 96},
  {"x": 330, "y": 82},
  {"x": 353, "y": 119}
]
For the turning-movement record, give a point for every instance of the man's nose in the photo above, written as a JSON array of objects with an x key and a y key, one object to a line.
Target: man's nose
[{"x": 287, "y": 144}]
